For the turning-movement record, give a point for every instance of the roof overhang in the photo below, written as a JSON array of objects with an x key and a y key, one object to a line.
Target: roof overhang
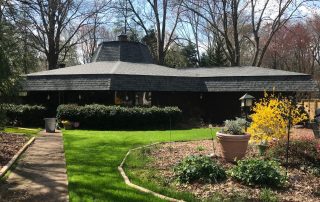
[{"x": 123, "y": 82}]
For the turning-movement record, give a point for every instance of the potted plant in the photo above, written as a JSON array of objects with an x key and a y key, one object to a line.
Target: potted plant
[
  {"x": 76, "y": 124},
  {"x": 233, "y": 139},
  {"x": 67, "y": 124}
]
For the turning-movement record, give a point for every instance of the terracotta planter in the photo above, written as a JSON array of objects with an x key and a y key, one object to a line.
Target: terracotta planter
[{"x": 233, "y": 147}]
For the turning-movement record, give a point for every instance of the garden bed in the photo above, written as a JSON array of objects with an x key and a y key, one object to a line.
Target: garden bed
[
  {"x": 10, "y": 144},
  {"x": 302, "y": 186}
]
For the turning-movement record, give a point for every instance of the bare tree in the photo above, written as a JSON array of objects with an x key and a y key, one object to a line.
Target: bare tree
[
  {"x": 314, "y": 24},
  {"x": 55, "y": 23},
  {"x": 190, "y": 30},
  {"x": 91, "y": 34},
  {"x": 158, "y": 15},
  {"x": 94, "y": 34},
  {"x": 223, "y": 17},
  {"x": 282, "y": 12},
  {"x": 230, "y": 19}
]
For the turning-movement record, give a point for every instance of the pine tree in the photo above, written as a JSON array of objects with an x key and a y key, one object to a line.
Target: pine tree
[
  {"x": 214, "y": 57},
  {"x": 190, "y": 53}
]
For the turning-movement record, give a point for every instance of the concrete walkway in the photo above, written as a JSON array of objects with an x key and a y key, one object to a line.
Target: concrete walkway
[{"x": 41, "y": 173}]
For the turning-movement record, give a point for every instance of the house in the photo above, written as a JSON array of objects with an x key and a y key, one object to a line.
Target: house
[{"x": 123, "y": 72}]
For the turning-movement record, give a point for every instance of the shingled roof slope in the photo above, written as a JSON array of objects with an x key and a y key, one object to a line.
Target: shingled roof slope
[
  {"x": 127, "y": 68},
  {"x": 118, "y": 75},
  {"x": 126, "y": 51}
]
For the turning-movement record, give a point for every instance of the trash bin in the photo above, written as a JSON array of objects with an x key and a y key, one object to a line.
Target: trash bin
[{"x": 50, "y": 125}]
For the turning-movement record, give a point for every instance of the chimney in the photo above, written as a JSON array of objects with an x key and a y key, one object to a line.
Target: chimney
[{"x": 122, "y": 37}]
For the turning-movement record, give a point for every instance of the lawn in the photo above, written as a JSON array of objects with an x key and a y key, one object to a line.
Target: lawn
[
  {"x": 93, "y": 157},
  {"x": 30, "y": 132}
]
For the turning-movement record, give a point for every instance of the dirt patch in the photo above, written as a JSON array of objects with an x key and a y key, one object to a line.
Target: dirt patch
[
  {"x": 10, "y": 144},
  {"x": 302, "y": 186}
]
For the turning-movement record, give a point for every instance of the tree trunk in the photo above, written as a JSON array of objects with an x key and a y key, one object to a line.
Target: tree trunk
[
  {"x": 161, "y": 54},
  {"x": 52, "y": 61}
]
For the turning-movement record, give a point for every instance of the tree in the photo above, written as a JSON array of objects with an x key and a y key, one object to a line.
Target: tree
[
  {"x": 292, "y": 49},
  {"x": 229, "y": 17},
  {"x": 70, "y": 57},
  {"x": 190, "y": 53},
  {"x": 91, "y": 34},
  {"x": 175, "y": 58},
  {"x": 315, "y": 32},
  {"x": 285, "y": 10},
  {"x": 55, "y": 23},
  {"x": 10, "y": 63},
  {"x": 214, "y": 57},
  {"x": 157, "y": 14},
  {"x": 190, "y": 30},
  {"x": 151, "y": 40}
]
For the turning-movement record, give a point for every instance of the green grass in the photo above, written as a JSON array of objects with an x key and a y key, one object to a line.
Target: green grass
[
  {"x": 30, "y": 132},
  {"x": 138, "y": 171},
  {"x": 93, "y": 157}
]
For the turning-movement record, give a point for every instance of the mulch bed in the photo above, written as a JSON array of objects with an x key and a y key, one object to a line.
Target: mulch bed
[
  {"x": 10, "y": 144},
  {"x": 302, "y": 186}
]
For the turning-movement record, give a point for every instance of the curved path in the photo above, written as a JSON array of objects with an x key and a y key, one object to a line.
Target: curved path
[{"x": 40, "y": 175}]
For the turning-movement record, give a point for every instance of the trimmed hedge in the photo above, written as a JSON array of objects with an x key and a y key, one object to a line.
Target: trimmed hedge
[
  {"x": 97, "y": 116},
  {"x": 24, "y": 115}
]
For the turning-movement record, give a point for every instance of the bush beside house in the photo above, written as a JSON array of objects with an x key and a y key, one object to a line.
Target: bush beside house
[
  {"x": 97, "y": 116},
  {"x": 24, "y": 115}
]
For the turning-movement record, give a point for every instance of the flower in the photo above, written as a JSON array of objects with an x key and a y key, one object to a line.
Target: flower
[
  {"x": 65, "y": 122},
  {"x": 270, "y": 118}
]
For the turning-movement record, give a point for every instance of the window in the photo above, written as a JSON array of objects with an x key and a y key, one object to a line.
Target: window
[{"x": 132, "y": 98}]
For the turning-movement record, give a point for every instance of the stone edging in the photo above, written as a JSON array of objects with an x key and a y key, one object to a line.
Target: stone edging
[
  {"x": 139, "y": 188},
  {"x": 5, "y": 168}
]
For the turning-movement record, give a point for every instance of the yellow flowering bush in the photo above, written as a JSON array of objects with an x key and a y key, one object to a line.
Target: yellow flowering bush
[{"x": 270, "y": 118}]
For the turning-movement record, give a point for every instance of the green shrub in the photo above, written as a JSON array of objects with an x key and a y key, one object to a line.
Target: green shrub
[
  {"x": 199, "y": 168},
  {"x": 266, "y": 195},
  {"x": 117, "y": 117},
  {"x": 258, "y": 172},
  {"x": 302, "y": 152},
  {"x": 200, "y": 148},
  {"x": 24, "y": 115},
  {"x": 234, "y": 127},
  {"x": 68, "y": 112}
]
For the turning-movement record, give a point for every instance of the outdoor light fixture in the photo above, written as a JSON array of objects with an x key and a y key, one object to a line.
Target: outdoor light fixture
[
  {"x": 246, "y": 100},
  {"x": 79, "y": 97},
  {"x": 48, "y": 97},
  {"x": 127, "y": 97},
  {"x": 246, "y": 103},
  {"x": 201, "y": 96}
]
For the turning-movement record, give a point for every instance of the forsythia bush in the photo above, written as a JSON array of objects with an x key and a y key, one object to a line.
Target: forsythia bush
[{"x": 270, "y": 118}]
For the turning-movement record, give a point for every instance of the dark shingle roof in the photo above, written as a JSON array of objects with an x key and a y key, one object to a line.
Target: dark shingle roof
[
  {"x": 127, "y": 68},
  {"x": 122, "y": 51},
  {"x": 123, "y": 65},
  {"x": 136, "y": 82}
]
